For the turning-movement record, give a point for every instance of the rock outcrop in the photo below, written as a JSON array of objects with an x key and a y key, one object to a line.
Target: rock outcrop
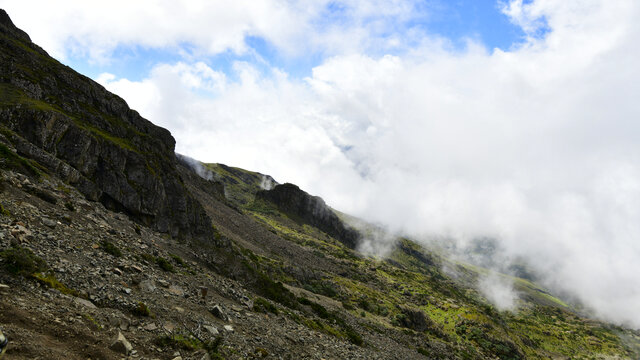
[
  {"x": 91, "y": 139},
  {"x": 311, "y": 210}
]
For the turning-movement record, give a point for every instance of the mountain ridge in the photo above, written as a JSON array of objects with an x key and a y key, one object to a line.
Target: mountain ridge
[
  {"x": 91, "y": 138},
  {"x": 112, "y": 245}
]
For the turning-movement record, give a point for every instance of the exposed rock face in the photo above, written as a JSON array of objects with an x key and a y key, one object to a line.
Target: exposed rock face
[
  {"x": 311, "y": 210},
  {"x": 91, "y": 139}
]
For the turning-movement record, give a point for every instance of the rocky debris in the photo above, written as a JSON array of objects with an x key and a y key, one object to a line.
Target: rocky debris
[
  {"x": 121, "y": 345},
  {"x": 213, "y": 331},
  {"x": 147, "y": 286},
  {"x": 217, "y": 311},
  {"x": 311, "y": 210},
  {"x": 21, "y": 233},
  {"x": 85, "y": 303},
  {"x": 48, "y": 222}
]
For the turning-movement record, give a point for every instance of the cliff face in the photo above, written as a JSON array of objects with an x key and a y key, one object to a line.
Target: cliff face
[
  {"x": 90, "y": 138},
  {"x": 310, "y": 210}
]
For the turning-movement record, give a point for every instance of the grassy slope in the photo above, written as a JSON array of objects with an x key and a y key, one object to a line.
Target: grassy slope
[{"x": 377, "y": 290}]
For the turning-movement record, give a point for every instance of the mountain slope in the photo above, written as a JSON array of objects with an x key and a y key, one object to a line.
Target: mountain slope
[
  {"x": 90, "y": 138},
  {"x": 241, "y": 277}
]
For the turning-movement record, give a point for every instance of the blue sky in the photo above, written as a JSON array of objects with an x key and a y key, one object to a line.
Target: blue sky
[{"x": 457, "y": 21}]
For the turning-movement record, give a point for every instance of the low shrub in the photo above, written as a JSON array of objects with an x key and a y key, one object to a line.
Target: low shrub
[
  {"x": 22, "y": 261},
  {"x": 142, "y": 310},
  {"x": 110, "y": 248},
  {"x": 263, "y": 306},
  {"x": 164, "y": 264}
]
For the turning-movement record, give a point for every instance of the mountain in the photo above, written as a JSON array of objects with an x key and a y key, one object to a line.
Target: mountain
[
  {"x": 113, "y": 245},
  {"x": 90, "y": 138}
]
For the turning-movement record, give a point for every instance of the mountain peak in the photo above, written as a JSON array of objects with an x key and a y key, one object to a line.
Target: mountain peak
[{"x": 7, "y": 27}]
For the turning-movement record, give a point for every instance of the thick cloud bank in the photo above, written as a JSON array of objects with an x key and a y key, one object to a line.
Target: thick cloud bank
[{"x": 537, "y": 146}]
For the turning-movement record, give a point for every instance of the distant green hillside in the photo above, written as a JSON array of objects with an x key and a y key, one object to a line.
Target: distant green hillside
[{"x": 409, "y": 290}]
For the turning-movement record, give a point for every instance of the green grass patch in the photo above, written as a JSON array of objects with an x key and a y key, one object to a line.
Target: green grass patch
[
  {"x": 12, "y": 161},
  {"x": 141, "y": 310},
  {"x": 178, "y": 260},
  {"x": 110, "y": 248},
  {"x": 164, "y": 264},
  {"x": 50, "y": 280},
  {"x": 4, "y": 211},
  {"x": 264, "y": 306},
  {"x": 22, "y": 261}
]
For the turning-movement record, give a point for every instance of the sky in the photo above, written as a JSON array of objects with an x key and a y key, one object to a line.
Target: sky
[{"x": 515, "y": 120}]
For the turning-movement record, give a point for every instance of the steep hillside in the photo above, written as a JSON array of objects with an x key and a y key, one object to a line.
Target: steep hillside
[
  {"x": 90, "y": 138},
  {"x": 113, "y": 246}
]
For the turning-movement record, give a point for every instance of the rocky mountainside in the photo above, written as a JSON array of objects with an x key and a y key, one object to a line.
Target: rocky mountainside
[
  {"x": 112, "y": 246},
  {"x": 74, "y": 128},
  {"x": 310, "y": 210}
]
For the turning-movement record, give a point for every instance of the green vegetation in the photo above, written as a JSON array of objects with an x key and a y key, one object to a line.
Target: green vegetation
[
  {"x": 69, "y": 206},
  {"x": 12, "y": 161},
  {"x": 150, "y": 259},
  {"x": 110, "y": 248},
  {"x": 178, "y": 260},
  {"x": 22, "y": 261},
  {"x": 164, "y": 264},
  {"x": 141, "y": 310},
  {"x": 49, "y": 280},
  {"x": 4, "y": 211},
  {"x": 377, "y": 291},
  {"x": 264, "y": 306},
  {"x": 240, "y": 185},
  {"x": 93, "y": 321},
  {"x": 10, "y": 95}
]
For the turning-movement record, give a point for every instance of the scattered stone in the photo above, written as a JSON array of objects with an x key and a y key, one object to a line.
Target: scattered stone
[
  {"x": 211, "y": 329},
  {"x": 85, "y": 303},
  {"x": 228, "y": 328},
  {"x": 176, "y": 290},
  {"x": 163, "y": 283},
  {"x": 147, "y": 285},
  {"x": 219, "y": 313},
  {"x": 48, "y": 222},
  {"x": 121, "y": 345},
  {"x": 151, "y": 327},
  {"x": 21, "y": 233},
  {"x": 117, "y": 271}
]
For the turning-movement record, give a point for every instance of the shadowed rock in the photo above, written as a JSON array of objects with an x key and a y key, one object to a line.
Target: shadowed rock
[
  {"x": 311, "y": 210},
  {"x": 90, "y": 138}
]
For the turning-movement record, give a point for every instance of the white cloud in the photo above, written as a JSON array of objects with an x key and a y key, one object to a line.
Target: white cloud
[
  {"x": 499, "y": 291},
  {"x": 536, "y": 146},
  {"x": 96, "y": 29}
]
